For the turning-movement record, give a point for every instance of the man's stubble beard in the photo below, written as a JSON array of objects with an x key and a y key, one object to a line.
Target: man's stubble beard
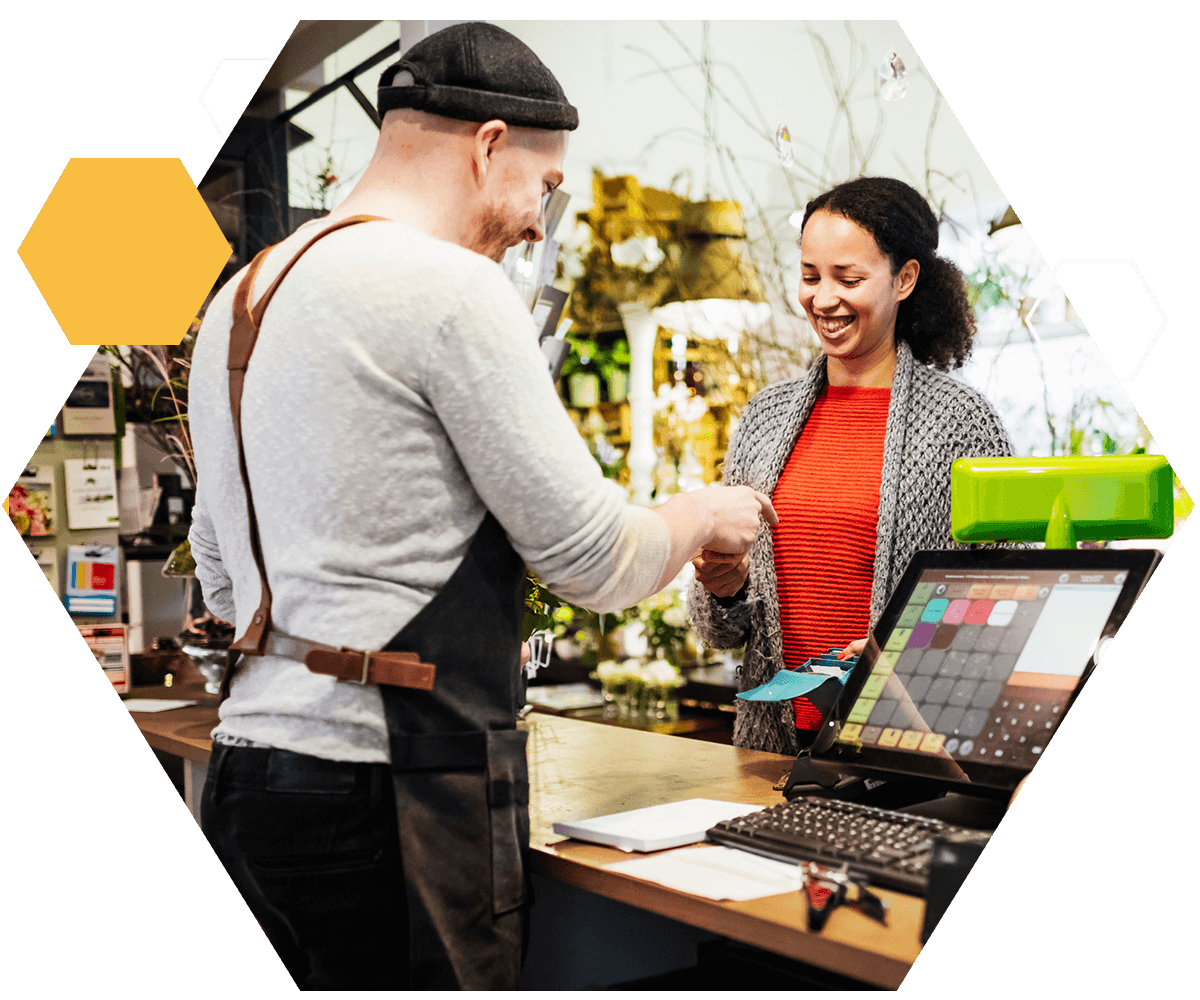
[{"x": 496, "y": 233}]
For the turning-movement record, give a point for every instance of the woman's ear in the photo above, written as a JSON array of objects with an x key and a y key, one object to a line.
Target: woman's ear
[{"x": 906, "y": 279}]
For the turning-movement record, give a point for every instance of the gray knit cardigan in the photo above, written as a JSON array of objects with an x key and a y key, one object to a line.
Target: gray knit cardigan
[{"x": 932, "y": 420}]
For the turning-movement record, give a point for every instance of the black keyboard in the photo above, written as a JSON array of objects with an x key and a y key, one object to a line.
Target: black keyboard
[{"x": 893, "y": 849}]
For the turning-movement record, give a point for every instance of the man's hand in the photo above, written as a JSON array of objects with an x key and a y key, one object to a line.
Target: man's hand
[
  {"x": 722, "y": 520},
  {"x": 738, "y": 513},
  {"x": 720, "y": 573},
  {"x": 525, "y": 654}
]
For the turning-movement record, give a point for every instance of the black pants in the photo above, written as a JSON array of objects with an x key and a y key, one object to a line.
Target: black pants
[{"x": 311, "y": 844}]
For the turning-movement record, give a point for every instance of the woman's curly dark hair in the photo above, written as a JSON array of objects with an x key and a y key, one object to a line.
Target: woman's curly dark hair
[{"x": 936, "y": 319}]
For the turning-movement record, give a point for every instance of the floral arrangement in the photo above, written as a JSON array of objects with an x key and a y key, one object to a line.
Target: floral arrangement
[
  {"x": 588, "y": 635},
  {"x": 664, "y": 625},
  {"x": 636, "y": 654},
  {"x": 632, "y": 688},
  {"x": 29, "y": 511},
  {"x": 657, "y": 628}
]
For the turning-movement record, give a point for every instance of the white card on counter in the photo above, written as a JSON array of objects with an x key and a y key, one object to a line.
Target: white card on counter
[{"x": 655, "y": 828}]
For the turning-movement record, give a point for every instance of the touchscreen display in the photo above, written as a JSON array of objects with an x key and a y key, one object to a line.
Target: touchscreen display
[{"x": 981, "y": 664}]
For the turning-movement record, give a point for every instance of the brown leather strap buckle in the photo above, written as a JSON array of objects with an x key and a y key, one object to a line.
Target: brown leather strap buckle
[{"x": 357, "y": 666}]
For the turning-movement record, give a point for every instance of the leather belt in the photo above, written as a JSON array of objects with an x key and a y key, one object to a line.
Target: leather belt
[{"x": 361, "y": 666}]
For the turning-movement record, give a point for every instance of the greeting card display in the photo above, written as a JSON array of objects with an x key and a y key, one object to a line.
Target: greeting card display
[
  {"x": 91, "y": 493},
  {"x": 89, "y": 408},
  {"x": 32, "y": 503},
  {"x": 91, "y": 580}
]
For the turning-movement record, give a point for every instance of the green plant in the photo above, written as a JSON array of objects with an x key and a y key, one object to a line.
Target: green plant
[
  {"x": 613, "y": 359},
  {"x": 153, "y": 391},
  {"x": 584, "y": 356},
  {"x": 1084, "y": 434},
  {"x": 593, "y": 357},
  {"x": 665, "y": 625},
  {"x": 323, "y": 183},
  {"x": 589, "y": 631}
]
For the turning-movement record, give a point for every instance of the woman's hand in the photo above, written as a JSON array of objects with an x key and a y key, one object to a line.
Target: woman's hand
[
  {"x": 722, "y": 574},
  {"x": 525, "y": 654},
  {"x": 854, "y": 649}
]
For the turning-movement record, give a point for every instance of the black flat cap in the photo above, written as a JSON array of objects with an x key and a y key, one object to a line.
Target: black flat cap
[{"x": 476, "y": 72}]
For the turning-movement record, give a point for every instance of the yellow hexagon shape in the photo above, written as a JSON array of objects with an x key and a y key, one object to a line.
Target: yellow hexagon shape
[{"x": 124, "y": 251}]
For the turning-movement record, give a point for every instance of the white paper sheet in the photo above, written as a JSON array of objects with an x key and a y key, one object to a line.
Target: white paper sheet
[
  {"x": 155, "y": 704},
  {"x": 721, "y": 873}
]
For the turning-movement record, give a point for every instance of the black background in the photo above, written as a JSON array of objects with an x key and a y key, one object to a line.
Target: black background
[{"x": 1081, "y": 126}]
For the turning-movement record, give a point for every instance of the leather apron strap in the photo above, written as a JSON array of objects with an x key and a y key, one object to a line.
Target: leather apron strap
[{"x": 242, "y": 338}]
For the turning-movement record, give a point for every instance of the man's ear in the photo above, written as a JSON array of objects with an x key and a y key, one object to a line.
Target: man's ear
[{"x": 489, "y": 138}]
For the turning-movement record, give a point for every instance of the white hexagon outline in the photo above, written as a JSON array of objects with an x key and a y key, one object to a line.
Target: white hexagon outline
[
  {"x": 1141, "y": 277},
  {"x": 217, "y": 70}
]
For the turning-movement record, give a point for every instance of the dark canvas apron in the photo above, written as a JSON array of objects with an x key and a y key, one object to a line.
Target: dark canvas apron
[
  {"x": 459, "y": 771},
  {"x": 457, "y": 759}
]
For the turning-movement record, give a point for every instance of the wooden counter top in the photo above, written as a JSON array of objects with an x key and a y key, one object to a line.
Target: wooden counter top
[
  {"x": 579, "y": 769},
  {"x": 184, "y": 732}
]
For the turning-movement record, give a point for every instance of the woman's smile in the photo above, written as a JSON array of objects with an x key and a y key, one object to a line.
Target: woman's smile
[{"x": 851, "y": 296}]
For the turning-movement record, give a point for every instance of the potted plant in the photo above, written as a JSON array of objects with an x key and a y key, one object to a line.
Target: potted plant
[
  {"x": 614, "y": 365},
  {"x": 582, "y": 373}
]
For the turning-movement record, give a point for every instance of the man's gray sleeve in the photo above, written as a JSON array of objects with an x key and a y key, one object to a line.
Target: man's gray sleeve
[{"x": 215, "y": 583}]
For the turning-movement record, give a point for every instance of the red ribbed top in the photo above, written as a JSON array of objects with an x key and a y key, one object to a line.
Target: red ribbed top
[{"x": 827, "y": 499}]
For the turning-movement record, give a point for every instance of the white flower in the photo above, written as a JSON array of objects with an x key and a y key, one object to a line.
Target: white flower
[
  {"x": 633, "y": 638},
  {"x": 661, "y": 672},
  {"x": 671, "y": 396},
  {"x": 612, "y": 672},
  {"x": 641, "y": 253},
  {"x": 573, "y": 268},
  {"x": 566, "y": 649},
  {"x": 675, "y": 617}
]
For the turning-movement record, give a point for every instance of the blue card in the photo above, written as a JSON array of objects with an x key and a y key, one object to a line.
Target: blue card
[{"x": 788, "y": 684}]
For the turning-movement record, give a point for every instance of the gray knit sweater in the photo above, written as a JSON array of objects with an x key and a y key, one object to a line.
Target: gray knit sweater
[
  {"x": 932, "y": 420},
  {"x": 396, "y": 395}
]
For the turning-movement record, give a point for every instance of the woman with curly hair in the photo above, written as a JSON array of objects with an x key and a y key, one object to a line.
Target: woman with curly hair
[{"x": 855, "y": 454}]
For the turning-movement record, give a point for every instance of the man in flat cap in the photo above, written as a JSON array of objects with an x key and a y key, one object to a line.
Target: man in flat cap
[{"x": 371, "y": 488}]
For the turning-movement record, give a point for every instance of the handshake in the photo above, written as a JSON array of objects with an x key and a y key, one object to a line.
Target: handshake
[{"x": 720, "y": 523}]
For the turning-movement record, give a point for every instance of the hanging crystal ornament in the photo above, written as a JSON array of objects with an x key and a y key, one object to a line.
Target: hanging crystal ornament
[
  {"x": 783, "y": 145},
  {"x": 679, "y": 354},
  {"x": 891, "y": 78}
]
